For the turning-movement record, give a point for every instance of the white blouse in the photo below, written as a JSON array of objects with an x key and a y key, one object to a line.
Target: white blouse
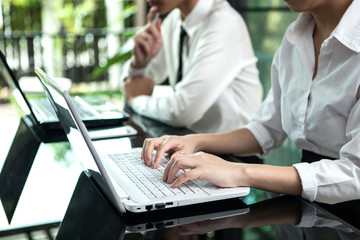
[{"x": 321, "y": 115}]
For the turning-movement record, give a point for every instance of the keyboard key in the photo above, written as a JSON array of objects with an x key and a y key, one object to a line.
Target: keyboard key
[{"x": 149, "y": 180}]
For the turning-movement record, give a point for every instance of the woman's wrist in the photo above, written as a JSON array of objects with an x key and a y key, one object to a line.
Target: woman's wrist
[
  {"x": 243, "y": 174},
  {"x": 198, "y": 141}
]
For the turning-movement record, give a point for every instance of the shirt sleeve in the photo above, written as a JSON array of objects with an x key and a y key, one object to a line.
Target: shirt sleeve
[
  {"x": 220, "y": 55},
  {"x": 128, "y": 71},
  {"x": 156, "y": 69},
  {"x": 333, "y": 181},
  {"x": 266, "y": 125},
  {"x": 311, "y": 217}
]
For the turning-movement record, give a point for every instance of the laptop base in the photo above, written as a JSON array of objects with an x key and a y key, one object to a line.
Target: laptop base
[{"x": 90, "y": 207}]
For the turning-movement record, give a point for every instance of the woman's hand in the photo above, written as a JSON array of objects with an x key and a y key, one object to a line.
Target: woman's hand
[
  {"x": 205, "y": 167},
  {"x": 148, "y": 41},
  {"x": 166, "y": 144}
]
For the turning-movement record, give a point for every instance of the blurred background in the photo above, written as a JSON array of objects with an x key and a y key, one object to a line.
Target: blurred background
[{"x": 86, "y": 40}]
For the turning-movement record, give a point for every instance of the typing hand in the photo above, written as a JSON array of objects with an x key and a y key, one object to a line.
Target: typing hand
[
  {"x": 205, "y": 167},
  {"x": 172, "y": 145},
  {"x": 136, "y": 86},
  {"x": 148, "y": 41}
]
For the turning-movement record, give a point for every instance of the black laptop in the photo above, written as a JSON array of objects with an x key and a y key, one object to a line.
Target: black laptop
[{"x": 95, "y": 111}]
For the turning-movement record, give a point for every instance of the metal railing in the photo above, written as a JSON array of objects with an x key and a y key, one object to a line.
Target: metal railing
[{"x": 74, "y": 56}]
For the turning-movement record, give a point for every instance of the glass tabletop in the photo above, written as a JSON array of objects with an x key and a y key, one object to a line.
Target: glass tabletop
[{"x": 45, "y": 195}]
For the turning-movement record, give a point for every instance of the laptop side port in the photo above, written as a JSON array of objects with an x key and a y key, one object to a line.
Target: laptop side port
[
  {"x": 169, "y": 223},
  {"x": 160, "y": 205},
  {"x": 148, "y": 207},
  {"x": 169, "y": 203},
  {"x": 149, "y": 226}
]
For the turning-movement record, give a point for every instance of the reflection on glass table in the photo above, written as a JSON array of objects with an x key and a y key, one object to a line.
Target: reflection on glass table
[
  {"x": 47, "y": 188},
  {"x": 289, "y": 218},
  {"x": 37, "y": 181},
  {"x": 89, "y": 216}
]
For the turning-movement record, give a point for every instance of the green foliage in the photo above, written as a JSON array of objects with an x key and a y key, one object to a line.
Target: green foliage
[
  {"x": 72, "y": 16},
  {"x": 125, "y": 52},
  {"x": 61, "y": 153},
  {"x": 20, "y": 3},
  {"x": 118, "y": 58},
  {"x": 266, "y": 31},
  {"x": 266, "y": 3},
  {"x": 19, "y": 15},
  {"x": 254, "y": 196},
  {"x": 263, "y": 233},
  {"x": 287, "y": 155},
  {"x": 128, "y": 11}
]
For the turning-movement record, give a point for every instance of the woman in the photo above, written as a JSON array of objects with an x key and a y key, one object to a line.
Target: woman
[{"x": 314, "y": 100}]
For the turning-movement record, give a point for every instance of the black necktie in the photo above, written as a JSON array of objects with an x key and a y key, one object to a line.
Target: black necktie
[{"x": 182, "y": 37}]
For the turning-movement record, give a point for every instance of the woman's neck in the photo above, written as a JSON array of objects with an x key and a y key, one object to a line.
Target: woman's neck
[{"x": 327, "y": 17}]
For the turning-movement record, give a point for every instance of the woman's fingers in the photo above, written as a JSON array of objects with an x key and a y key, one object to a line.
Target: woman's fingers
[
  {"x": 201, "y": 166},
  {"x": 149, "y": 146},
  {"x": 184, "y": 177},
  {"x": 182, "y": 161},
  {"x": 161, "y": 145},
  {"x": 168, "y": 144}
]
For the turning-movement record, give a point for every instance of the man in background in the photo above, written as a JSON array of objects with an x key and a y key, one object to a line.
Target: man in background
[{"x": 204, "y": 51}]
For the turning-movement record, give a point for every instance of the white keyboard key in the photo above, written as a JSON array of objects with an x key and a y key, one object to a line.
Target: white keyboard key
[{"x": 149, "y": 180}]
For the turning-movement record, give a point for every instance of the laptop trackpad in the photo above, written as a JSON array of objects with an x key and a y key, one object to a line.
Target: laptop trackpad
[{"x": 214, "y": 190}]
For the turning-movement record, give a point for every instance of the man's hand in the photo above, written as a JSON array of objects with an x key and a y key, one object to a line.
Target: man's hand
[
  {"x": 148, "y": 41},
  {"x": 136, "y": 86}
]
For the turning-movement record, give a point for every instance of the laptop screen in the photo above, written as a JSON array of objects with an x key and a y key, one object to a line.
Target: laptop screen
[
  {"x": 55, "y": 94},
  {"x": 75, "y": 130},
  {"x": 8, "y": 76}
]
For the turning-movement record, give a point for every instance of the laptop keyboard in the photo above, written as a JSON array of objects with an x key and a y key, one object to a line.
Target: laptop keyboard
[
  {"x": 149, "y": 180},
  {"x": 45, "y": 106},
  {"x": 84, "y": 112}
]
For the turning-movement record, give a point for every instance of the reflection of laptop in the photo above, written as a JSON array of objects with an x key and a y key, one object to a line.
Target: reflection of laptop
[
  {"x": 96, "y": 219},
  {"x": 40, "y": 112},
  {"x": 126, "y": 176}
]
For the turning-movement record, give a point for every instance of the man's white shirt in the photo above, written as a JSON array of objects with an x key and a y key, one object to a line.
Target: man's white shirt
[{"x": 220, "y": 89}]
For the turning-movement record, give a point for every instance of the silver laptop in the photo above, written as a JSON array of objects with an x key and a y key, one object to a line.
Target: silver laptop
[
  {"x": 133, "y": 186},
  {"x": 95, "y": 111}
]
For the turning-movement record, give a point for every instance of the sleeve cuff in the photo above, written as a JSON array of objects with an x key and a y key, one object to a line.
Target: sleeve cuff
[
  {"x": 133, "y": 72},
  {"x": 128, "y": 71},
  {"x": 139, "y": 103},
  {"x": 262, "y": 137},
  {"x": 308, "y": 181}
]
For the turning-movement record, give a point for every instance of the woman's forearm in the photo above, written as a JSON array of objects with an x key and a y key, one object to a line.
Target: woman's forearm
[
  {"x": 270, "y": 178},
  {"x": 240, "y": 141}
]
